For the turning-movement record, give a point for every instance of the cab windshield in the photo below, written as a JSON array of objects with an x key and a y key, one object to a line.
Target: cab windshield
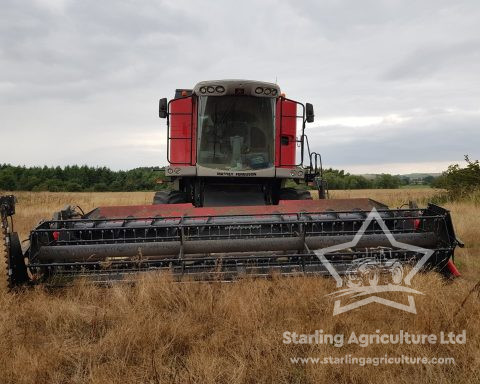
[{"x": 236, "y": 132}]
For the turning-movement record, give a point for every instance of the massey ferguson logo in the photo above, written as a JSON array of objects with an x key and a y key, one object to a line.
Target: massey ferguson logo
[
  {"x": 362, "y": 281},
  {"x": 236, "y": 174}
]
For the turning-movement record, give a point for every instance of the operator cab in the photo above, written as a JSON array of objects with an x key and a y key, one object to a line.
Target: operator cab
[
  {"x": 236, "y": 126},
  {"x": 228, "y": 137},
  {"x": 236, "y": 132}
]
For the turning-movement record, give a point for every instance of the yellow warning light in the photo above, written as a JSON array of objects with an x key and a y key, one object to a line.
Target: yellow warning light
[
  {"x": 184, "y": 93},
  {"x": 282, "y": 94}
]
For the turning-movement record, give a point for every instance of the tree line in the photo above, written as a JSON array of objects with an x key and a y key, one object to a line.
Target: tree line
[
  {"x": 339, "y": 179},
  {"x": 101, "y": 179},
  {"x": 78, "y": 179}
]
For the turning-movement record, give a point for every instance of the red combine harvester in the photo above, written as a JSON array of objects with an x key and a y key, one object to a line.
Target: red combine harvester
[{"x": 232, "y": 145}]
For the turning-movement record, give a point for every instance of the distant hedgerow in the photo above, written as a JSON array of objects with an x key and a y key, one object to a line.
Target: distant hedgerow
[{"x": 78, "y": 179}]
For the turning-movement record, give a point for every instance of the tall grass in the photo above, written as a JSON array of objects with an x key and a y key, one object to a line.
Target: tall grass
[
  {"x": 158, "y": 331},
  {"x": 163, "y": 332}
]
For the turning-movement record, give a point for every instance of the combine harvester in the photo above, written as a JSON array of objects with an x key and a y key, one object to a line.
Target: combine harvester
[{"x": 232, "y": 146}]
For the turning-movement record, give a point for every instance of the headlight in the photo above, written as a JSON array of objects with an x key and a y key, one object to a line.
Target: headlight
[
  {"x": 267, "y": 91},
  {"x": 274, "y": 92},
  {"x": 258, "y": 90},
  {"x": 220, "y": 89},
  {"x": 210, "y": 89},
  {"x": 203, "y": 90}
]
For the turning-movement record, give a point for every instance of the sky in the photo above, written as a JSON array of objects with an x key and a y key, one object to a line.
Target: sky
[{"x": 395, "y": 84}]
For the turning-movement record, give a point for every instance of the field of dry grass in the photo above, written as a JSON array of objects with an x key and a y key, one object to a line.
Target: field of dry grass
[{"x": 163, "y": 332}]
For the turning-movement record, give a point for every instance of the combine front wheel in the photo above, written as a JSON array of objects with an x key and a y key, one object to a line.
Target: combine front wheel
[
  {"x": 294, "y": 194},
  {"x": 16, "y": 269},
  {"x": 171, "y": 197}
]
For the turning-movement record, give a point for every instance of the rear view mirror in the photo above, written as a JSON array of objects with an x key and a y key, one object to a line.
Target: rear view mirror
[
  {"x": 162, "y": 108},
  {"x": 309, "y": 113}
]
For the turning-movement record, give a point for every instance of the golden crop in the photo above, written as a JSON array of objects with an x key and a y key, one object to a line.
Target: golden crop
[{"x": 158, "y": 331}]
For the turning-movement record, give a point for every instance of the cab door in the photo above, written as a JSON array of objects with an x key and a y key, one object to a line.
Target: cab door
[
  {"x": 181, "y": 132},
  {"x": 285, "y": 132}
]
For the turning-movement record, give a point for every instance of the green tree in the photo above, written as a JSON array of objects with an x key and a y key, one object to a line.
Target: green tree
[
  {"x": 386, "y": 181},
  {"x": 100, "y": 187},
  {"x": 461, "y": 182},
  {"x": 7, "y": 182},
  {"x": 71, "y": 186}
]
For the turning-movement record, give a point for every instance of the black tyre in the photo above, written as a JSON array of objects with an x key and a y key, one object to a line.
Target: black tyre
[
  {"x": 177, "y": 197},
  {"x": 294, "y": 194},
  {"x": 171, "y": 197},
  {"x": 160, "y": 197},
  {"x": 17, "y": 270}
]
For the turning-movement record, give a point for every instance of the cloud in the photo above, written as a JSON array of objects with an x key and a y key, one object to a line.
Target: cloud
[
  {"x": 74, "y": 75},
  {"x": 429, "y": 60},
  {"x": 427, "y": 137}
]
